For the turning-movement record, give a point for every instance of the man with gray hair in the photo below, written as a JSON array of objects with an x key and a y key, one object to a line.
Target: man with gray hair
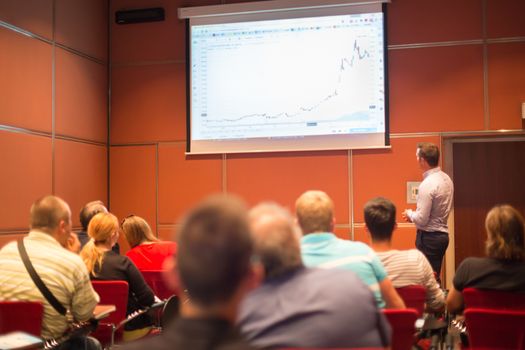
[
  {"x": 86, "y": 214},
  {"x": 63, "y": 272},
  {"x": 301, "y": 307}
]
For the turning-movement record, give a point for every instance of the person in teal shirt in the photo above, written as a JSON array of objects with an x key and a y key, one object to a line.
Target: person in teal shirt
[{"x": 321, "y": 248}]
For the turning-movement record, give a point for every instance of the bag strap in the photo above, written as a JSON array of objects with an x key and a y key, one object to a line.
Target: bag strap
[{"x": 38, "y": 281}]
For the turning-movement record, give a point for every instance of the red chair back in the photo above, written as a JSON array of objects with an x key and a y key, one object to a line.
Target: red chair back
[
  {"x": 111, "y": 293},
  {"x": 492, "y": 299},
  {"x": 403, "y": 323},
  {"x": 491, "y": 329},
  {"x": 414, "y": 297},
  {"x": 156, "y": 282},
  {"x": 25, "y": 316}
]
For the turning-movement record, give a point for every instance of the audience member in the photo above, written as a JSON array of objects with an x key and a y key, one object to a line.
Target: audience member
[
  {"x": 147, "y": 251},
  {"x": 62, "y": 271},
  {"x": 104, "y": 264},
  {"x": 404, "y": 267},
  {"x": 321, "y": 248},
  {"x": 214, "y": 265},
  {"x": 299, "y": 307},
  {"x": 73, "y": 243},
  {"x": 86, "y": 214},
  {"x": 504, "y": 267},
  {"x": 434, "y": 201}
]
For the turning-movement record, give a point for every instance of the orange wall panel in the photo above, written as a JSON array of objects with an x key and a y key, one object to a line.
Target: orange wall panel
[
  {"x": 403, "y": 237},
  {"x": 343, "y": 232},
  {"x": 25, "y": 176},
  {"x": 35, "y": 16},
  {"x": 80, "y": 174},
  {"x": 167, "y": 232},
  {"x": 25, "y": 71},
  {"x": 184, "y": 181},
  {"x": 148, "y": 103},
  {"x": 83, "y": 26},
  {"x": 436, "y": 89},
  {"x": 81, "y": 97},
  {"x": 421, "y": 21},
  {"x": 282, "y": 178},
  {"x": 6, "y": 238},
  {"x": 506, "y": 84},
  {"x": 505, "y": 18},
  {"x": 133, "y": 182},
  {"x": 385, "y": 173}
]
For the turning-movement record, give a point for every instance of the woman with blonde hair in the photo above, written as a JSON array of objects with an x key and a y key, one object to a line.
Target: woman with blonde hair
[
  {"x": 104, "y": 264},
  {"x": 504, "y": 267},
  {"x": 147, "y": 251}
]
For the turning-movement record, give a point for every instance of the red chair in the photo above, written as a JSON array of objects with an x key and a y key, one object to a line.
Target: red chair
[
  {"x": 492, "y": 299},
  {"x": 414, "y": 297},
  {"x": 491, "y": 329},
  {"x": 25, "y": 316},
  {"x": 111, "y": 293},
  {"x": 156, "y": 282},
  {"x": 403, "y": 323}
]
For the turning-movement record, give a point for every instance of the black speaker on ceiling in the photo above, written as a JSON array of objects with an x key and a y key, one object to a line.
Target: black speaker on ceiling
[{"x": 154, "y": 14}]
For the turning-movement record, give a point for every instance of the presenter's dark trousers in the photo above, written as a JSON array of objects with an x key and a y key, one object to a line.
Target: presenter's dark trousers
[{"x": 433, "y": 245}]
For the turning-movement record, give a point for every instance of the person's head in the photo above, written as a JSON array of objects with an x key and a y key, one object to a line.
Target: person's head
[
  {"x": 137, "y": 231},
  {"x": 214, "y": 251},
  {"x": 91, "y": 209},
  {"x": 505, "y": 228},
  {"x": 427, "y": 153},
  {"x": 380, "y": 218},
  {"x": 315, "y": 212},
  {"x": 52, "y": 215},
  {"x": 276, "y": 239},
  {"x": 103, "y": 230}
]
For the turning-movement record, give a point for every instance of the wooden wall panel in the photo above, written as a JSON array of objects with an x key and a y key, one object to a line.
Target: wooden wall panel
[
  {"x": 35, "y": 16},
  {"x": 436, "y": 89},
  {"x": 83, "y": 26},
  {"x": 506, "y": 84},
  {"x": 284, "y": 177},
  {"x": 385, "y": 173},
  {"x": 184, "y": 181},
  {"x": 81, "y": 97},
  {"x": 25, "y": 176},
  {"x": 423, "y": 21},
  {"x": 133, "y": 182},
  {"x": 148, "y": 103},
  {"x": 167, "y": 232},
  {"x": 25, "y": 71},
  {"x": 80, "y": 174},
  {"x": 505, "y": 18},
  {"x": 4, "y": 239}
]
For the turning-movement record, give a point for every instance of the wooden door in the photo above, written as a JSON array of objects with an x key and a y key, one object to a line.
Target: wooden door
[{"x": 485, "y": 173}]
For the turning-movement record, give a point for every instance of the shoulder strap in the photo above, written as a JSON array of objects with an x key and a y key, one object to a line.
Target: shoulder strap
[{"x": 38, "y": 281}]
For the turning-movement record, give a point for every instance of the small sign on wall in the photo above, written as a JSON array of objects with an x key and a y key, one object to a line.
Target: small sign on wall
[{"x": 412, "y": 190}]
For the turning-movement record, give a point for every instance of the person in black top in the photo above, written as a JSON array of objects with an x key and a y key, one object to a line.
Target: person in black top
[
  {"x": 504, "y": 267},
  {"x": 214, "y": 266},
  {"x": 86, "y": 214},
  {"x": 104, "y": 264}
]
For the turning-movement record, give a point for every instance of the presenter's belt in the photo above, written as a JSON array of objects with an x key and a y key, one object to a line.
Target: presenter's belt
[{"x": 432, "y": 232}]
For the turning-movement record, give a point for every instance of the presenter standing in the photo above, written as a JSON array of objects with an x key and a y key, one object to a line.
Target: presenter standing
[{"x": 434, "y": 201}]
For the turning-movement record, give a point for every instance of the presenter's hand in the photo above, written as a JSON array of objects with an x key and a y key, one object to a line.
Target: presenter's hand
[{"x": 405, "y": 216}]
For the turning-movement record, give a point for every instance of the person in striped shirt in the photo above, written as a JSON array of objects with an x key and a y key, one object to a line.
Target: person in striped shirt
[
  {"x": 404, "y": 267},
  {"x": 62, "y": 271}
]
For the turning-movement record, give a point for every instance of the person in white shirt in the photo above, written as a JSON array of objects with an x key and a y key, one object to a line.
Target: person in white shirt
[
  {"x": 434, "y": 202},
  {"x": 404, "y": 267}
]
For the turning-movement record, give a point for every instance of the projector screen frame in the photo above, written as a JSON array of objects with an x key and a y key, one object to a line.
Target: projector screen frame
[{"x": 287, "y": 142}]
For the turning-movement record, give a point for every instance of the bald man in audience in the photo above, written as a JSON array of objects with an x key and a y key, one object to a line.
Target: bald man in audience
[
  {"x": 321, "y": 248},
  {"x": 62, "y": 271},
  {"x": 299, "y": 307}
]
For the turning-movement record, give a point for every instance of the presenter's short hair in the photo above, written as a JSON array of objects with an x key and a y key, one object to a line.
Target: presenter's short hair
[
  {"x": 315, "y": 212},
  {"x": 214, "y": 249},
  {"x": 429, "y": 152}
]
